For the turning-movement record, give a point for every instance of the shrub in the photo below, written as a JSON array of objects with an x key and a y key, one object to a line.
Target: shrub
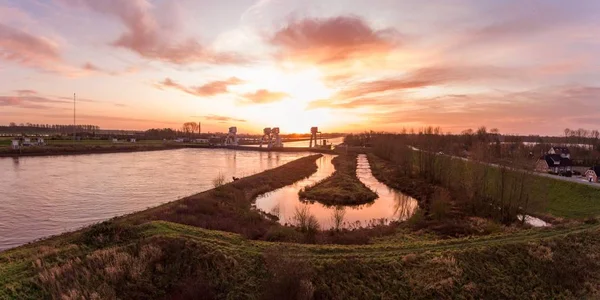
[
  {"x": 282, "y": 234},
  {"x": 337, "y": 217},
  {"x": 107, "y": 233},
  {"x": 440, "y": 204},
  {"x": 289, "y": 277},
  {"x": 219, "y": 180}
]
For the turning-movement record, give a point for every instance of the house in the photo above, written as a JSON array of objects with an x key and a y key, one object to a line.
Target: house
[
  {"x": 40, "y": 142},
  {"x": 26, "y": 142},
  {"x": 592, "y": 174},
  {"x": 557, "y": 161},
  {"x": 132, "y": 140},
  {"x": 562, "y": 151},
  {"x": 16, "y": 144}
]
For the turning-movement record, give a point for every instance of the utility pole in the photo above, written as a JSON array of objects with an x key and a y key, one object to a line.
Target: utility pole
[
  {"x": 74, "y": 120},
  {"x": 199, "y": 128}
]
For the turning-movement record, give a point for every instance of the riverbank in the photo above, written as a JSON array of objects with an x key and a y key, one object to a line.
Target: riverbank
[
  {"x": 78, "y": 149},
  {"x": 214, "y": 244}
]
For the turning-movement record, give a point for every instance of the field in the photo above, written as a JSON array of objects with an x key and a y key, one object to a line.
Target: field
[{"x": 215, "y": 245}]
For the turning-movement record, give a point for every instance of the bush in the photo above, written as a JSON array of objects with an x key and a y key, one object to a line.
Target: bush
[
  {"x": 282, "y": 234},
  {"x": 219, "y": 180},
  {"x": 440, "y": 204},
  {"x": 107, "y": 233},
  {"x": 289, "y": 277}
]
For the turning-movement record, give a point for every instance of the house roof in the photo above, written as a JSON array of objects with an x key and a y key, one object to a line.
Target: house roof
[
  {"x": 563, "y": 150},
  {"x": 596, "y": 169},
  {"x": 555, "y": 160}
]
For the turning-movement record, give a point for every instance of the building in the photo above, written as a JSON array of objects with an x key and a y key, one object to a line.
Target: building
[
  {"x": 556, "y": 161},
  {"x": 592, "y": 174},
  {"x": 562, "y": 151}
]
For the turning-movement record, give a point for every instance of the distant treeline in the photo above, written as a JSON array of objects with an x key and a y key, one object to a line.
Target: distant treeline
[
  {"x": 29, "y": 128},
  {"x": 497, "y": 148}
]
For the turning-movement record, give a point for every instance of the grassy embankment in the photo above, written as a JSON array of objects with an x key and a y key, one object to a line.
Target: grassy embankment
[
  {"x": 66, "y": 147},
  {"x": 342, "y": 187},
  {"x": 163, "y": 260},
  {"x": 133, "y": 257}
]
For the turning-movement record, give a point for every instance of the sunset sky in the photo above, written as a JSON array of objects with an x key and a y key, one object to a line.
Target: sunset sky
[{"x": 343, "y": 65}]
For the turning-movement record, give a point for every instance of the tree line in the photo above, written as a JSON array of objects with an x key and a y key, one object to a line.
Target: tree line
[
  {"x": 47, "y": 128},
  {"x": 501, "y": 191}
]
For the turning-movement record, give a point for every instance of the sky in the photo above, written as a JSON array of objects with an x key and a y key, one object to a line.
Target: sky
[{"x": 524, "y": 67}]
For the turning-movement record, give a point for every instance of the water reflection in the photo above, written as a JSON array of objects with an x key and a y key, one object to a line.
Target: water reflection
[
  {"x": 391, "y": 205},
  {"x": 44, "y": 196}
]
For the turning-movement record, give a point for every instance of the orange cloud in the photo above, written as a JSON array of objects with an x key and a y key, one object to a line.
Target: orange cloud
[
  {"x": 147, "y": 37},
  {"x": 222, "y": 119},
  {"x": 206, "y": 90},
  {"x": 356, "y": 103},
  {"x": 532, "y": 111},
  {"x": 264, "y": 96},
  {"x": 332, "y": 40},
  {"x": 423, "y": 77}
]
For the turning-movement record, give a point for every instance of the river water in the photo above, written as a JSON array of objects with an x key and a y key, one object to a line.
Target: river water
[
  {"x": 389, "y": 206},
  {"x": 43, "y": 196}
]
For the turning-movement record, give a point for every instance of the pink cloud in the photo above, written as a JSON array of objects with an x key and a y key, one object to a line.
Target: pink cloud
[
  {"x": 147, "y": 37},
  {"x": 332, "y": 40},
  {"x": 424, "y": 77},
  {"x": 205, "y": 90},
  {"x": 29, "y": 50}
]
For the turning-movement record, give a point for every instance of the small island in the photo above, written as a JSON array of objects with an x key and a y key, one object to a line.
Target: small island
[{"x": 341, "y": 188}]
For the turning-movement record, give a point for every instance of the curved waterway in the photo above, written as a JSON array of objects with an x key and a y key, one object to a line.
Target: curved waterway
[
  {"x": 391, "y": 205},
  {"x": 43, "y": 196}
]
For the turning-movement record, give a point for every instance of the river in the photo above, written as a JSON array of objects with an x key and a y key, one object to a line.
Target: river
[
  {"x": 43, "y": 196},
  {"x": 391, "y": 205}
]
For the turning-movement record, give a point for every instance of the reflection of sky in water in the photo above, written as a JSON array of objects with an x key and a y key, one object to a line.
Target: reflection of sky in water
[
  {"x": 43, "y": 196},
  {"x": 391, "y": 205}
]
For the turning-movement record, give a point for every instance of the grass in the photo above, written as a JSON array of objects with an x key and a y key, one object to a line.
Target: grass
[
  {"x": 341, "y": 188},
  {"x": 215, "y": 245},
  {"x": 229, "y": 206},
  {"x": 174, "y": 261},
  {"x": 569, "y": 199}
]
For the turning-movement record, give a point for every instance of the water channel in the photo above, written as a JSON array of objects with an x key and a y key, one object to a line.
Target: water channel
[{"x": 389, "y": 206}]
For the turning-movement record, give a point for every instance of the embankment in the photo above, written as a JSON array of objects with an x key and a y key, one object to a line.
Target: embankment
[
  {"x": 76, "y": 149},
  {"x": 172, "y": 261}
]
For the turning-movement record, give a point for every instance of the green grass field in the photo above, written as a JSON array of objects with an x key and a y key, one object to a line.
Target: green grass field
[{"x": 569, "y": 199}]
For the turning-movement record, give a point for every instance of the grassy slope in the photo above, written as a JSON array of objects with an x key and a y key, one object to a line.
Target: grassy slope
[
  {"x": 161, "y": 258},
  {"x": 569, "y": 199},
  {"x": 134, "y": 258},
  {"x": 341, "y": 188},
  {"x": 228, "y": 207}
]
